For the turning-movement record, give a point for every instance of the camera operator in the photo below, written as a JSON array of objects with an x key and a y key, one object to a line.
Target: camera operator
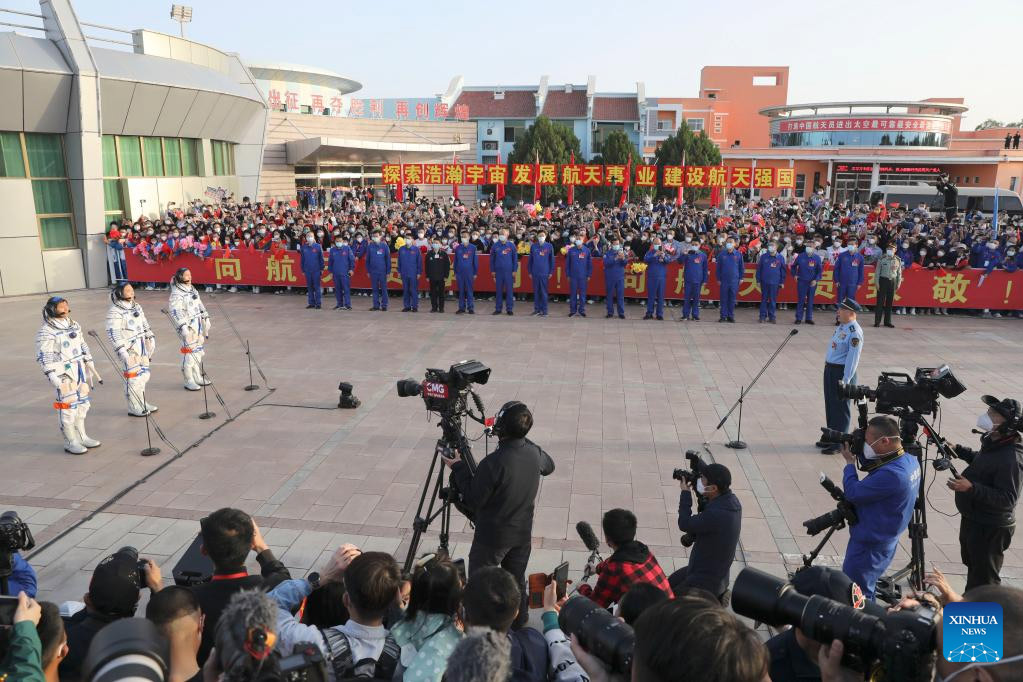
[
  {"x": 503, "y": 494},
  {"x": 986, "y": 492},
  {"x": 884, "y": 501},
  {"x": 715, "y": 532},
  {"x": 22, "y": 578}
]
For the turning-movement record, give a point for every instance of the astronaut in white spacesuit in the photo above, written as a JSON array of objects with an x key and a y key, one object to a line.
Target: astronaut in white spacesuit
[
  {"x": 134, "y": 344},
  {"x": 192, "y": 324}
]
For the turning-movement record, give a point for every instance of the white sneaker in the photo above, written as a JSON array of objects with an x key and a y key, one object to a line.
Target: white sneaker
[
  {"x": 255, "y": 290},
  {"x": 232, "y": 290}
]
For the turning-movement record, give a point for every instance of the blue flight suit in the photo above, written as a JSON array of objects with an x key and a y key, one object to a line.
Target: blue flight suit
[
  {"x": 884, "y": 500},
  {"x": 312, "y": 268},
  {"x": 694, "y": 276},
  {"x": 848, "y": 274},
  {"x": 807, "y": 270},
  {"x": 840, "y": 366},
  {"x": 541, "y": 265},
  {"x": 504, "y": 261},
  {"x": 378, "y": 265},
  {"x": 989, "y": 259},
  {"x": 579, "y": 267},
  {"x": 410, "y": 267},
  {"x": 340, "y": 262},
  {"x": 770, "y": 276},
  {"x": 656, "y": 273},
  {"x": 729, "y": 270},
  {"x": 614, "y": 281},
  {"x": 906, "y": 255},
  {"x": 467, "y": 264}
]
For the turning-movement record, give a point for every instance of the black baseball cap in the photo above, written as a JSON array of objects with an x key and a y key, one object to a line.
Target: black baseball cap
[
  {"x": 114, "y": 588},
  {"x": 719, "y": 475},
  {"x": 1007, "y": 407}
]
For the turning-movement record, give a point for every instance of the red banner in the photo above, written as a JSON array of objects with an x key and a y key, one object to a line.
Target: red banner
[{"x": 920, "y": 288}]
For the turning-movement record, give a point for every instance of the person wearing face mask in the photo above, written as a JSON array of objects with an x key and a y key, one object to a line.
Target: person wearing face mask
[
  {"x": 341, "y": 263},
  {"x": 410, "y": 268},
  {"x": 848, "y": 273},
  {"x": 729, "y": 270},
  {"x": 771, "y": 278},
  {"x": 504, "y": 262},
  {"x": 840, "y": 368},
  {"x": 884, "y": 501},
  {"x": 438, "y": 266},
  {"x": 657, "y": 263},
  {"x": 192, "y": 324},
  {"x": 378, "y": 265},
  {"x": 694, "y": 275},
  {"x": 615, "y": 261},
  {"x": 134, "y": 344},
  {"x": 467, "y": 264},
  {"x": 579, "y": 267},
  {"x": 887, "y": 280},
  {"x": 312, "y": 267},
  {"x": 715, "y": 532},
  {"x": 541, "y": 265},
  {"x": 987, "y": 490},
  {"x": 806, "y": 268},
  {"x": 67, "y": 363}
]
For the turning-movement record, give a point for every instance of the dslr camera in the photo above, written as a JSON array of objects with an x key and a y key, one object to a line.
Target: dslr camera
[
  {"x": 843, "y": 513},
  {"x": 895, "y": 645},
  {"x": 15, "y": 535},
  {"x": 445, "y": 392},
  {"x": 691, "y": 476}
]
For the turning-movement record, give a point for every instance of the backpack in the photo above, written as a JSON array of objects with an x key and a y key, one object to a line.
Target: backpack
[{"x": 344, "y": 667}]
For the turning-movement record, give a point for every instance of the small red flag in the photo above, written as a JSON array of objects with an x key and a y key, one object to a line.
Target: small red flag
[{"x": 571, "y": 188}]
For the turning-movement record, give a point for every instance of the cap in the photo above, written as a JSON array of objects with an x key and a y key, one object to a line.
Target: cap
[
  {"x": 719, "y": 475},
  {"x": 114, "y": 588},
  {"x": 828, "y": 583},
  {"x": 850, "y": 304},
  {"x": 1007, "y": 407}
]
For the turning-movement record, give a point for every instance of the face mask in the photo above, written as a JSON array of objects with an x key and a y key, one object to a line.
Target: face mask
[
  {"x": 772, "y": 248},
  {"x": 1011, "y": 252},
  {"x": 578, "y": 242},
  {"x": 700, "y": 488},
  {"x": 984, "y": 422},
  {"x": 542, "y": 238},
  {"x": 376, "y": 239},
  {"x": 465, "y": 240},
  {"x": 436, "y": 246},
  {"x": 656, "y": 247},
  {"x": 890, "y": 252},
  {"x": 905, "y": 245},
  {"x": 992, "y": 245},
  {"x": 689, "y": 239},
  {"x": 940, "y": 254},
  {"x": 419, "y": 235},
  {"x": 868, "y": 450},
  {"x": 319, "y": 234},
  {"x": 721, "y": 240},
  {"x": 852, "y": 248},
  {"x": 310, "y": 239},
  {"x": 873, "y": 241},
  {"x": 358, "y": 239},
  {"x": 923, "y": 252},
  {"x": 617, "y": 247},
  {"x": 729, "y": 246}
]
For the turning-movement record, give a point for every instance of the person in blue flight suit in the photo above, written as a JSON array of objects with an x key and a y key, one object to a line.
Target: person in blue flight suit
[
  {"x": 884, "y": 500},
  {"x": 504, "y": 261},
  {"x": 770, "y": 277},
  {"x": 312, "y": 268},
  {"x": 541, "y": 265},
  {"x": 840, "y": 368},
  {"x": 614, "y": 277},
  {"x": 729, "y": 271},
  {"x": 579, "y": 267},
  {"x": 849, "y": 272},
  {"x": 410, "y": 267},
  {"x": 656, "y": 272},
  {"x": 467, "y": 264},
  {"x": 341, "y": 263},
  {"x": 695, "y": 276},
  {"x": 806, "y": 268},
  {"x": 378, "y": 265}
]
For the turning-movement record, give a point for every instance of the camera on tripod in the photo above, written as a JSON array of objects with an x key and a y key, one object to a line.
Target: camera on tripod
[
  {"x": 897, "y": 391},
  {"x": 691, "y": 476},
  {"x": 445, "y": 391},
  {"x": 844, "y": 512}
]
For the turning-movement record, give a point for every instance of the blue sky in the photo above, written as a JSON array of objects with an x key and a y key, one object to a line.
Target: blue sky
[{"x": 837, "y": 49}]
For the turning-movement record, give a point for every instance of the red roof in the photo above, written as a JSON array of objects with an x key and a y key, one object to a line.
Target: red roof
[
  {"x": 561, "y": 104},
  {"x": 481, "y": 104},
  {"x": 615, "y": 109}
]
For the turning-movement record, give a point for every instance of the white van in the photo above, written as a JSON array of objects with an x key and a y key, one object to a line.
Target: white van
[{"x": 970, "y": 198}]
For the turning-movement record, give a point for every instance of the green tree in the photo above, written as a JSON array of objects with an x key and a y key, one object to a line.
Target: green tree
[
  {"x": 698, "y": 151},
  {"x": 549, "y": 143},
  {"x": 991, "y": 123},
  {"x": 616, "y": 149}
]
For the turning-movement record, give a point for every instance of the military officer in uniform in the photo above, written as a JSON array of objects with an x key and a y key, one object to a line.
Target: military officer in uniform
[{"x": 840, "y": 368}]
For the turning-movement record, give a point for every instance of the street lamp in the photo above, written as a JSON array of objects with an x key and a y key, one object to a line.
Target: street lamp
[{"x": 182, "y": 14}]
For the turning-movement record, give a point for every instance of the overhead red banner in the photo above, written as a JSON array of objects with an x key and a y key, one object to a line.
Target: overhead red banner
[{"x": 920, "y": 288}]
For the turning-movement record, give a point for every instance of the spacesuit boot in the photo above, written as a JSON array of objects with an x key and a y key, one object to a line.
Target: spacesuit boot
[
  {"x": 186, "y": 371},
  {"x": 72, "y": 442},
  {"x": 198, "y": 377},
  {"x": 136, "y": 406},
  {"x": 83, "y": 436},
  {"x": 150, "y": 406}
]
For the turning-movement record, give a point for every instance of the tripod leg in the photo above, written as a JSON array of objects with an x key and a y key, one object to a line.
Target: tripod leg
[{"x": 431, "y": 489}]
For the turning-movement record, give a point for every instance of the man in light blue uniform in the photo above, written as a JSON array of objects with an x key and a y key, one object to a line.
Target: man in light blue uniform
[
  {"x": 378, "y": 265},
  {"x": 579, "y": 264},
  {"x": 410, "y": 267},
  {"x": 729, "y": 270},
  {"x": 341, "y": 263},
  {"x": 848, "y": 273},
  {"x": 541, "y": 265},
  {"x": 770, "y": 277},
  {"x": 467, "y": 264},
  {"x": 504, "y": 261},
  {"x": 614, "y": 277},
  {"x": 840, "y": 367},
  {"x": 312, "y": 268},
  {"x": 806, "y": 268},
  {"x": 657, "y": 264}
]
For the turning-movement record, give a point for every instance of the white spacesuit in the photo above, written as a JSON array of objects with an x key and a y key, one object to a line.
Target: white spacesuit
[
  {"x": 192, "y": 324},
  {"x": 64, "y": 355},
  {"x": 134, "y": 343}
]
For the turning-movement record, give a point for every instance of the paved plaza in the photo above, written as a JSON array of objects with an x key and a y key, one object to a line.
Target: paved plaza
[{"x": 616, "y": 403}]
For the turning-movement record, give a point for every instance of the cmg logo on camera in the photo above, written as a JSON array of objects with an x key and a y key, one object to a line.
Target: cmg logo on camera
[{"x": 972, "y": 631}]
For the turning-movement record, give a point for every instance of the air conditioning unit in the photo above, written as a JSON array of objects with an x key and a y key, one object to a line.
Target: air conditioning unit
[
  {"x": 498, "y": 94},
  {"x": 490, "y": 131}
]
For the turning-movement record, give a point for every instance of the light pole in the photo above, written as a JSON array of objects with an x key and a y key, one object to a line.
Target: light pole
[{"x": 181, "y": 14}]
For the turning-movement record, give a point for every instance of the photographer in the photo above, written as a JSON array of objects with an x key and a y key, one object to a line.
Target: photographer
[
  {"x": 23, "y": 577},
  {"x": 503, "y": 494},
  {"x": 631, "y": 563},
  {"x": 715, "y": 531},
  {"x": 884, "y": 501},
  {"x": 986, "y": 492}
]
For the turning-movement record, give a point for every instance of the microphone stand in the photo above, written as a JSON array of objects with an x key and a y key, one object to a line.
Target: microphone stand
[
  {"x": 738, "y": 444},
  {"x": 248, "y": 353},
  {"x": 206, "y": 414}
]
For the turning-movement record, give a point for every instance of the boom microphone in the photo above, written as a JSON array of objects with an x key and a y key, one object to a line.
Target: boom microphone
[{"x": 589, "y": 538}]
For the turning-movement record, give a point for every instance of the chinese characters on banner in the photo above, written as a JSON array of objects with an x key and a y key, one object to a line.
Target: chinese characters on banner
[{"x": 920, "y": 288}]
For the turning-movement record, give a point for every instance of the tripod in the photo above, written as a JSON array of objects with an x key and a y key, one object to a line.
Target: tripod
[
  {"x": 738, "y": 444},
  {"x": 808, "y": 559}
]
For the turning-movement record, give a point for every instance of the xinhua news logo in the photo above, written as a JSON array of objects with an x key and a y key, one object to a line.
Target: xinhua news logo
[{"x": 972, "y": 631}]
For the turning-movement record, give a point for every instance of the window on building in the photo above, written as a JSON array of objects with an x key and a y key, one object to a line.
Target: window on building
[
  {"x": 785, "y": 192},
  {"x": 976, "y": 179},
  {"x": 113, "y": 199},
  {"x": 130, "y": 153},
  {"x": 152, "y": 154},
  {"x": 513, "y": 130},
  {"x": 966, "y": 179},
  {"x": 45, "y": 155},
  {"x": 53, "y": 210},
  {"x": 489, "y": 159},
  {"x": 172, "y": 156},
  {"x": 12, "y": 163},
  {"x": 765, "y": 80},
  {"x": 718, "y": 123},
  {"x": 800, "y": 184},
  {"x": 223, "y": 157},
  {"x": 110, "y": 157},
  {"x": 1012, "y": 183},
  {"x": 695, "y": 124},
  {"x": 489, "y": 145},
  {"x": 189, "y": 157}
]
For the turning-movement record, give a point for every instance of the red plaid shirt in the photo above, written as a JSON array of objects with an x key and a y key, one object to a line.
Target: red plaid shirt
[{"x": 631, "y": 563}]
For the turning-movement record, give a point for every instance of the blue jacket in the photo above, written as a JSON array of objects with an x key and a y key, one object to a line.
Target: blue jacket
[
  {"x": 729, "y": 268},
  {"x": 906, "y": 255},
  {"x": 990, "y": 259},
  {"x": 378, "y": 259},
  {"x": 849, "y": 269},
  {"x": 467, "y": 260},
  {"x": 696, "y": 268},
  {"x": 312, "y": 257},
  {"x": 807, "y": 267},
  {"x": 541, "y": 260},
  {"x": 715, "y": 531},
  {"x": 884, "y": 500},
  {"x": 657, "y": 264},
  {"x": 614, "y": 269},
  {"x": 23, "y": 577},
  {"x": 579, "y": 262},
  {"x": 410, "y": 261},
  {"x": 771, "y": 269},
  {"x": 503, "y": 258},
  {"x": 341, "y": 260}
]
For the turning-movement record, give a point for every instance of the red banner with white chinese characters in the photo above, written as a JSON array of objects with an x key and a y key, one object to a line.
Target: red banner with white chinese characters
[{"x": 920, "y": 288}]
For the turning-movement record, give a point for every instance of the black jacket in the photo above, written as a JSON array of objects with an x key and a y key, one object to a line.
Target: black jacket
[
  {"x": 437, "y": 265},
  {"x": 81, "y": 628},
  {"x": 996, "y": 473},
  {"x": 503, "y": 491},
  {"x": 716, "y": 534}
]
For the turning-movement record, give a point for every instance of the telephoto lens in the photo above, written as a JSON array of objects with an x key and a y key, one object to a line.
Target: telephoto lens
[
  {"x": 600, "y": 633},
  {"x": 127, "y": 649}
]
